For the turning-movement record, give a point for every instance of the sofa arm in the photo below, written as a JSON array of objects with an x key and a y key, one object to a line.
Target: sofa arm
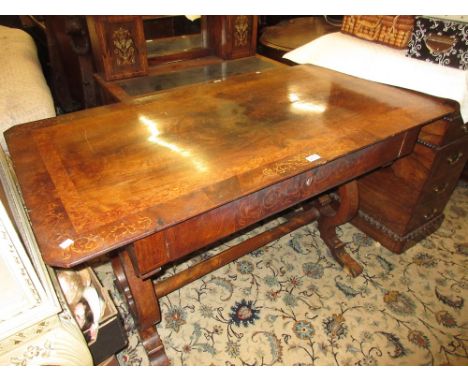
[{"x": 24, "y": 94}]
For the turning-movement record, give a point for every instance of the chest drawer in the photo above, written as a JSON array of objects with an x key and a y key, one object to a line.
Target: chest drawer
[
  {"x": 441, "y": 186},
  {"x": 444, "y": 131},
  {"x": 426, "y": 211},
  {"x": 450, "y": 159},
  {"x": 448, "y": 164}
]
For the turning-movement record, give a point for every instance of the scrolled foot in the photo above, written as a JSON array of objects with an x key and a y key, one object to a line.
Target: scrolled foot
[
  {"x": 331, "y": 218},
  {"x": 350, "y": 265},
  {"x": 143, "y": 305},
  {"x": 154, "y": 347}
]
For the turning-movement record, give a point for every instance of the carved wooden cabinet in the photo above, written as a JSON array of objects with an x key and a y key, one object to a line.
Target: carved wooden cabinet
[
  {"x": 403, "y": 203},
  {"x": 121, "y": 50},
  {"x": 119, "y": 46}
]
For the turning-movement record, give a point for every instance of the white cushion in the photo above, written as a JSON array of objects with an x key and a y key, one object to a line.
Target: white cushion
[{"x": 371, "y": 61}]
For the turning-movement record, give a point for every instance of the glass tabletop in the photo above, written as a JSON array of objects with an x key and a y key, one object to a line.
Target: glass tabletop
[{"x": 213, "y": 72}]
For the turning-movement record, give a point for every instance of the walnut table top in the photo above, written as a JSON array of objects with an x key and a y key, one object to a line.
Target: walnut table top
[{"x": 102, "y": 178}]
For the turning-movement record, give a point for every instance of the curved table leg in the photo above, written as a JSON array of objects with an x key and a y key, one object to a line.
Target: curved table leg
[
  {"x": 143, "y": 305},
  {"x": 330, "y": 218}
]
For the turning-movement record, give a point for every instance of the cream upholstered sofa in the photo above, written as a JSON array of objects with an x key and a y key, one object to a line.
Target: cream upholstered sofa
[
  {"x": 24, "y": 94},
  {"x": 36, "y": 327}
]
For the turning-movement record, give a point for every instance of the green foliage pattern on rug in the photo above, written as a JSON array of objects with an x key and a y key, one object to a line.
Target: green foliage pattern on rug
[{"x": 289, "y": 303}]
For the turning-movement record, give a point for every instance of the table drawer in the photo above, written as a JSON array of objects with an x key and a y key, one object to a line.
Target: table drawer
[
  {"x": 205, "y": 229},
  {"x": 433, "y": 201},
  {"x": 200, "y": 231},
  {"x": 426, "y": 211},
  {"x": 441, "y": 185},
  {"x": 443, "y": 131},
  {"x": 450, "y": 159}
]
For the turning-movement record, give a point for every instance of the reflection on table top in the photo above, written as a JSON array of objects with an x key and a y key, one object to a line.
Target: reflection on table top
[{"x": 103, "y": 177}]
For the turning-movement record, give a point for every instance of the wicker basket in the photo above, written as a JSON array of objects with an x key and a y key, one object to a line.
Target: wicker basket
[{"x": 394, "y": 31}]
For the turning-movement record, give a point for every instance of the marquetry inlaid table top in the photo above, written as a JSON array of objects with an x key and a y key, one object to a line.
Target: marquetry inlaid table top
[{"x": 98, "y": 179}]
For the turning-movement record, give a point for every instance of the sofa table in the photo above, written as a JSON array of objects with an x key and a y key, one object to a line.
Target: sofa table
[{"x": 158, "y": 178}]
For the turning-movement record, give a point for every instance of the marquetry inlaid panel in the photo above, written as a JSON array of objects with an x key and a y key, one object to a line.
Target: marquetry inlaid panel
[{"x": 119, "y": 46}]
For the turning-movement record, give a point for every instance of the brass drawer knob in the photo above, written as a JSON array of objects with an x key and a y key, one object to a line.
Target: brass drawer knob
[
  {"x": 454, "y": 158},
  {"x": 440, "y": 189},
  {"x": 308, "y": 182},
  {"x": 465, "y": 128},
  {"x": 431, "y": 214}
]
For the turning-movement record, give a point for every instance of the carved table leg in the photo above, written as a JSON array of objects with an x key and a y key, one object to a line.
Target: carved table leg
[
  {"x": 330, "y": 218},
  {"x": 143, "y": 305}
]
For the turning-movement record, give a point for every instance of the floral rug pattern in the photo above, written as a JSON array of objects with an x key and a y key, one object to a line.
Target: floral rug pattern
[{"x": 289, "y": 303}]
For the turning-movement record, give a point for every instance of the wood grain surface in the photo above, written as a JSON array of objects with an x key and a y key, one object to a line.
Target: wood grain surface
[{"x": 96, "y": 180}]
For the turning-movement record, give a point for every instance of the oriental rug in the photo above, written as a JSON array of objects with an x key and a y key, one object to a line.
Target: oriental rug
[{"x": 289, "y": 303}]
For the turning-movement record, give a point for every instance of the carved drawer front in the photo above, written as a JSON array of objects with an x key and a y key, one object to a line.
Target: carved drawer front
[
  {"x": 160, "y": 248},
  {"x": 420, "y": 182},
  {"x": 450, "y": 159},
  {"x": 174, "y": 242},
  {"x": 447, "y": 167},
  {"x": 444, "y": 131},
  {"x": 427, "y": 211},
  {"x": 202, "y": 230},
  {"x": 441, "y": 185},
  {"x": 428, "y": 162}
]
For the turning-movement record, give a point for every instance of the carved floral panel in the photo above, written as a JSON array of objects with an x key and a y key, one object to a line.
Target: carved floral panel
[
  {"x": 241, "y": 31},
  {"x": 123, "y": 47}
]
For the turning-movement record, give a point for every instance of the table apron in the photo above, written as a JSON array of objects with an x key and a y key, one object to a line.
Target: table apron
[{"x": 175, "y": 242}]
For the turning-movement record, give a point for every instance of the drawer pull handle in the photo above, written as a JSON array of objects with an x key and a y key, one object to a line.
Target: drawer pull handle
[
  {"x": 431, "y": 215},
  {"x": 465, "y": 128},
  {"x": 450, "y": 118},
  {"x": 440, "y": 189},
  {"x": 308, "y": 182},
  {"x": 454, "y": 158}
]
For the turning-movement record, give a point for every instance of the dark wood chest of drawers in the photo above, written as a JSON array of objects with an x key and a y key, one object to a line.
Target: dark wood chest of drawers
[{"x": 403, "y": 203}]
